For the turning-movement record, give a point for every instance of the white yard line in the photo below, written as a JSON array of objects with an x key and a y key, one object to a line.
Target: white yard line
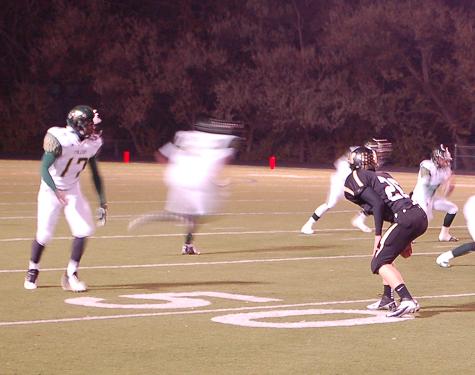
[
  {"x": 228, "y": 233},
  {"x": 213, "y": 263}
]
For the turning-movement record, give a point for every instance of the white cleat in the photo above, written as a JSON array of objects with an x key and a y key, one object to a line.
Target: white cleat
[
  {"x": 306, "y": 229},
  {"x": 30, "y": 282},
  {"x": 410, "y": 306},
  {"x": 189, "y": 250},
  {"x": 443, "y": 259},
  {"x": 385, "y": 303},
  {"x": 73, "y": 283},
  {"x": 448, "y": 238},
  {"x": 357, "y": 222}
]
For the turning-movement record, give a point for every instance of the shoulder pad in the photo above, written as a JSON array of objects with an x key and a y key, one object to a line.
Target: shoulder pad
[{"x": 51, "y": 144}]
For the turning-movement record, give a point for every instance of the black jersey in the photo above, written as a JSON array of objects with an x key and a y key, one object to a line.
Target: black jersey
[{"x": 377, "y": 193}]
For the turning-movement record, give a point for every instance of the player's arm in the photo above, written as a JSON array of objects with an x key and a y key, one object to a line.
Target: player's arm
[
  {"x": 96, "y": 177},
  {"x": 52, "y": 150},
  {"x": 424, "y": 175},
  {"x": 377, "y": 205},
  {"x": 162, "y": 155}
]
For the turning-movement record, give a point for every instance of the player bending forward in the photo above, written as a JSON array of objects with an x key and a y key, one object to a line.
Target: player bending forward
[
  {"x": 381, "y": 194},
  {"x": 434, "y": 183},
  {"x": 469, "y": 213},
  {"x": 67, "y": 151}
]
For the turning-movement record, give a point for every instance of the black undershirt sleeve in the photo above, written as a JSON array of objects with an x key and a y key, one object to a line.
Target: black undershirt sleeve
[{"x": 377, "y": 204}]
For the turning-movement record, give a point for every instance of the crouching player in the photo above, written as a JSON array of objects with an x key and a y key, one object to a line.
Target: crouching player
[{"x": 381, "y": 194}]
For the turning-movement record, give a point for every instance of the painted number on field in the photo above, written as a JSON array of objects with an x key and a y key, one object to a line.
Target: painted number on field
[
  {"x": 255, "y": 319},
  {"x": 172, "y": 300},
  {"x": 272, "y": 318}
]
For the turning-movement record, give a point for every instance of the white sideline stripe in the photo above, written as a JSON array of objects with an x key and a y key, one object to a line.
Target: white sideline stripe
[
  {"x": 192, "y": 312},
  {"x": 221, "y": 262},
  {"x": 229, "y": 233}
]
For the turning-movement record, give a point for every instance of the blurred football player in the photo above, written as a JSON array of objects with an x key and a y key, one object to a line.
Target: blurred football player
[
  {"x": 335, "y": 194},
  {"x": 444, "y": 259},
  {"x": 67, "y": 151},
  {"x": 380, "y": 194},
  {"x": 383, "y": 148},
  {"x": 434, "y": 184},
  {"x": 194, "y": 161}
]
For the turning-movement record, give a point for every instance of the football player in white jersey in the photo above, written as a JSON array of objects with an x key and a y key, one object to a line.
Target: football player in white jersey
[
  {"x": 335, "y": 194},
  {"x": 383, "y": 148},
  {"x": 194, "y": 161},
  {"x": 434, "y": 184},
  {"x": 443, "y": 259},
  {"x": 67, "y": 151}
]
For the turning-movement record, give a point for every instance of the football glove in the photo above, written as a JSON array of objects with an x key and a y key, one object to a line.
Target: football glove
[{"x": 102, "y": 215}]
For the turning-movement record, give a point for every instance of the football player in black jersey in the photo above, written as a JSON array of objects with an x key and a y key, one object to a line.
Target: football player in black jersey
[{"x": 379, "y": 194}]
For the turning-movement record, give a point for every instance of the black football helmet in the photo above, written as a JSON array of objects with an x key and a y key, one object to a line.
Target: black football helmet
[
  {"x": 84, "y": 120},
  {"x": 441, "y": 156},
  {"x": 363, "y": 157},
  {"x": 215, "y": 126}
]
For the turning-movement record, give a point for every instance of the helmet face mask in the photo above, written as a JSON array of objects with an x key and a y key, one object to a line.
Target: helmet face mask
[
  {"x": 84, "y": 120},
  {"x": 363, "y": 158},
  {"x": 441, "y": 156}
]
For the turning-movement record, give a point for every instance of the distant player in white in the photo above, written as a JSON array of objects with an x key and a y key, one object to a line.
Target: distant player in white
[
  {"x": 335, "y": 194},
  {"x": 67, "y": 151},
  {"x": 194, "y": 161},
  {"x": 434, "y": 184},
  {"x": 443, "y": 259},
  {"x": 383, "y": 148}
]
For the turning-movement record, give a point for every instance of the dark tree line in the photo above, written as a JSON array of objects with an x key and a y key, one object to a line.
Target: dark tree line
[{"x": 309, "y": 77}]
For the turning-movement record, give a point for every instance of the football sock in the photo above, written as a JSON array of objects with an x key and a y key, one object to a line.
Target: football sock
[
  {"x": 320, "y": 211},
  {"x": 388, "y": 292},
  {"x": 79, "y": 244},
  {"x": 315, "y": 217},
  {"x": 401, "y": 289},
  {"x": 448, "y": 219},
  {"x": 33, "y": 266},
  {"x": 463, "y": 249},
  {"x": 189, "y": 239},
  {"x": 72, "y": 267},
  {"x": 36, "y": 252}
]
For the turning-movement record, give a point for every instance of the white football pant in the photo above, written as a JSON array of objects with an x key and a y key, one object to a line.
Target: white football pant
[{"x": 77, "y": 213}]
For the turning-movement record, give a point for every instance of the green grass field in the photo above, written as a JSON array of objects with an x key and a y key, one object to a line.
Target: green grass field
[{"x": 260, "y": 299}]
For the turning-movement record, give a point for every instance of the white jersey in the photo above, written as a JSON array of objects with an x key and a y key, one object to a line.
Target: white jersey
[
  {"x": 74, "y": 156},
  {"x": 426, "y": 186},
  {"x": 196, "y": 158}
]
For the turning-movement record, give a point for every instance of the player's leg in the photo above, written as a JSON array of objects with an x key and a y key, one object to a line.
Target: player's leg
[
  {"x": 317, "y": 214},
  {"x": 335, "y": 193},
  {"x": 189, "y": 248},
  {"x": 387, "y": 300},
  {"x": 358, "y": 221},
  {"x": 49, "y": 209},
  {"x": 79, "y": 217},
  {"x": 443, "y": 259},
  {"x": 451, "y": 209},
  {"x": 411, "y": 224}
]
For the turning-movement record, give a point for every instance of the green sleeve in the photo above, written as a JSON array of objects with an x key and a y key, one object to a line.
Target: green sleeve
[
  {"x": 47, "y": 161},
  {"x": 97, "y": 181}
]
